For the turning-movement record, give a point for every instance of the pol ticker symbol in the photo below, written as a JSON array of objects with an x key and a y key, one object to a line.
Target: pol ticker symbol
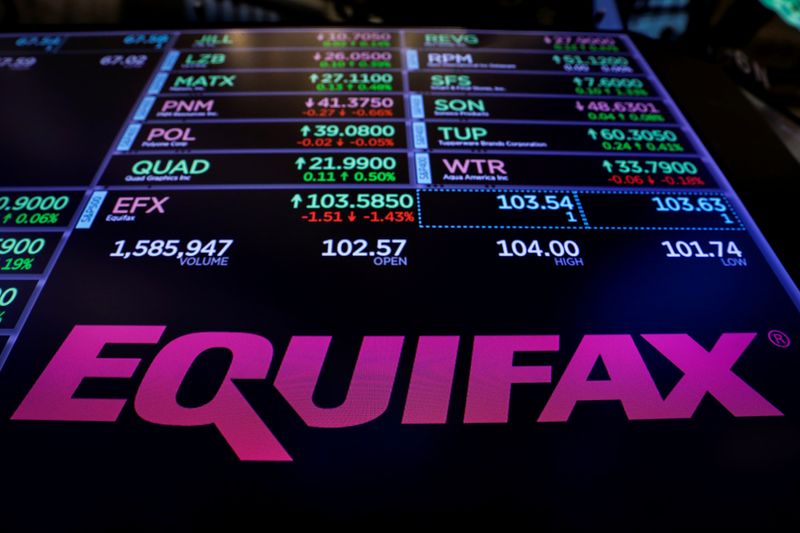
[{"x": 779, "y": 338}]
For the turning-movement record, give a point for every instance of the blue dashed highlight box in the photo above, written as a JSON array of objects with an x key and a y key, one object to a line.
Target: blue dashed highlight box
[
  {"x": 423, "y": 169},
  {"x": 420, "y": 135},
  {"x": 128, "y": 137},
  {"x": 144, "y": 108},
  {"x": 91, "y": 210},
  {"x": 417, "y": 106},
  {"x": 586, "y": 225},
  {"x": 158, "y": 83}
]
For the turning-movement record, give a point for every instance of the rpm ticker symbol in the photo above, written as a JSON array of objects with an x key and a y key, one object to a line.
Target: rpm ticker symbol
[{"x": 779, "y": 338}]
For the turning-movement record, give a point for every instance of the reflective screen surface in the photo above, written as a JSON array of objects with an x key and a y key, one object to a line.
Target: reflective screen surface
[{"x": 363, "y": 272}]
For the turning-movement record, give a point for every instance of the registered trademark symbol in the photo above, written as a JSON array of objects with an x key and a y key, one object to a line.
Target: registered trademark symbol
[{"x": 779, "y": 338}]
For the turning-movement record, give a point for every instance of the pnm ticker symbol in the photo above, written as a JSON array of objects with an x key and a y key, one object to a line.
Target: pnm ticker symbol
[{"x": 779, "y": 338}]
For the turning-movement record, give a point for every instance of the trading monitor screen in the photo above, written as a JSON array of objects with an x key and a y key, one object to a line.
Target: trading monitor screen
[{"x": 355, "y": 273}]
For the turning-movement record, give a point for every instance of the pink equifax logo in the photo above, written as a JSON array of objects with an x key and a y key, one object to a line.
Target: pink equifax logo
[{"x": 492, "y": 375}]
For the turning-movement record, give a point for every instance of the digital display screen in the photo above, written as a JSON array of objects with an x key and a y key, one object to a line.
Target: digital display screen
[{"x": 357, "y": 273}]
